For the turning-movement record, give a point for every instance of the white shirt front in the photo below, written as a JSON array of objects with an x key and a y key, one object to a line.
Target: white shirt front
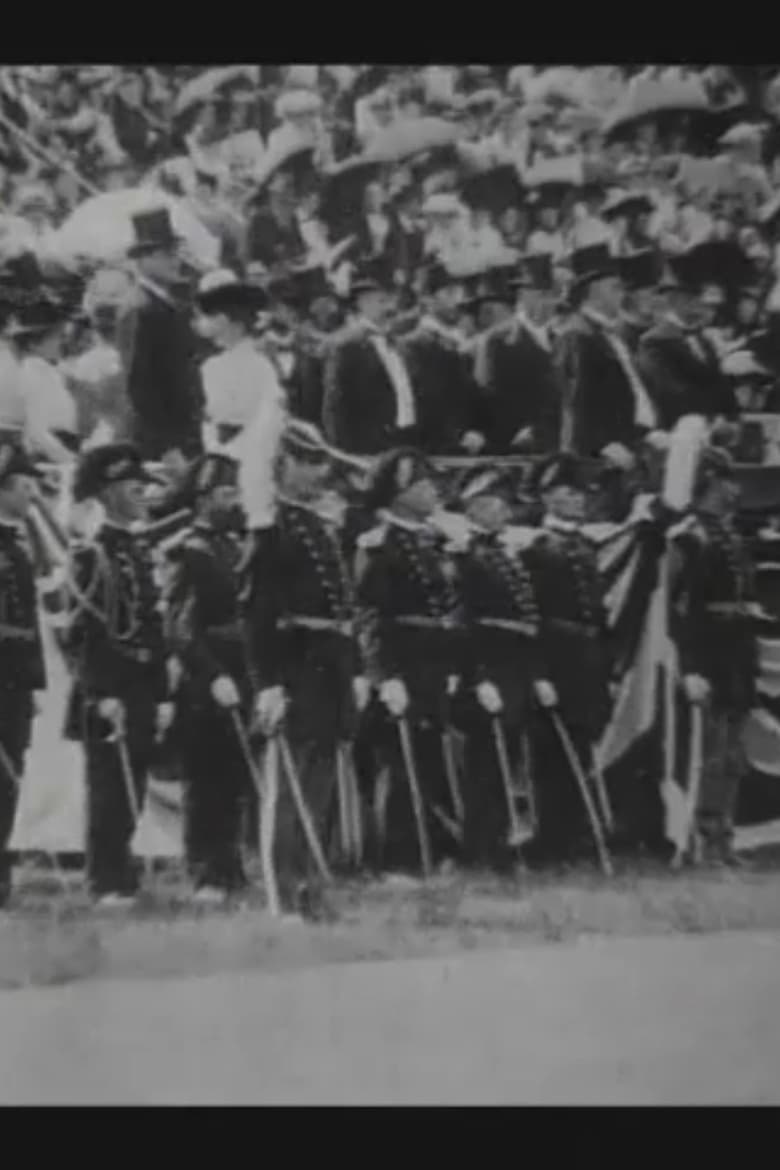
[
  {"x": 237, "y": 382},
  {"x": 405, "y": 413},
  {"x": 644, "y": 411},
  {"x": 50, "y": 405}
]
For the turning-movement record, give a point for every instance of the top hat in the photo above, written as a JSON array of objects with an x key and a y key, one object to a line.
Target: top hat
[
  {"x": 153, "y": 229},
  {"x": 369, "y": 276},
  {"x": 102, "y": 466},
  {"x": 639, "y": 269},
  {"x": 593, "y": 262},
  {"x": 536, "y": 271}
]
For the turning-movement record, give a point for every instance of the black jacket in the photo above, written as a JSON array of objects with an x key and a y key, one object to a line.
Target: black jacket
[
  {"x": 359, "y": 406},
  {"x": 679, "y": 380},
  {"x": 522, "y": 388}
]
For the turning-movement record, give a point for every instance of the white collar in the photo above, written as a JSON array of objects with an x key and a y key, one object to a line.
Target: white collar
[
  {"x": 156, "y": 289},
  {"x": 401, "y": 522},
  {"x": 599, "y": 319},
  {"x": 447, "y": 332},
  {"x": 555, "y": 524}
]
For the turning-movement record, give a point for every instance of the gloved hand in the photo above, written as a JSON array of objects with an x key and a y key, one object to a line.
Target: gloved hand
[
  {"x": 546, "y": 693},
  {"x": 617, "y": 455},
  {"x": 165, "y": 713},
  {"x": 361, "y": 690},
  {"x": 395, "y": 696},
  {"x": 270, "y": 708},
  {"x": 697, "y": 689},
  {"x": 225, "y": 692},
  {"x": 473, "y": 442},
  {"x": 113, "y": 711},
  {"x": 489, "y": 698}
]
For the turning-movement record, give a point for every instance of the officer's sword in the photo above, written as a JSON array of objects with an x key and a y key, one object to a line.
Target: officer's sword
[
  {"x": 304, "y": 814},
  {"x": 587, "y": 799},
  {"x": 352, "y": 823},
  {"x": 690, "y": 836},
  {"x": 417, "y": 804},
  {"x": 603, "y": 796},
  {"x": 127, "y": 776},
  {"x": 344, "y": 806},
  {"x": 10, "y": 771},
  {"x": 516, "y": 834},
  {"x": 451, "y": 768},
  {"x": 267, "y": 794}
]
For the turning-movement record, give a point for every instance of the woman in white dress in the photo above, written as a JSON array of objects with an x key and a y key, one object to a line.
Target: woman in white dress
[{"x": 245, "y": 402}]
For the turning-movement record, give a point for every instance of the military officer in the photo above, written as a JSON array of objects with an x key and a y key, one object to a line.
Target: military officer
[
  {"x": 120, "y": 700},
  {"x": 563, "y": 566},
  {"x": 504, "y": 673},
  {"x": 304, "y": 658},
  {"x": 413, "y": 638},
  {"x": 22, "y": 669},
  {"x": 713, "y": 617},
  {"x": 207, "y": 637}
]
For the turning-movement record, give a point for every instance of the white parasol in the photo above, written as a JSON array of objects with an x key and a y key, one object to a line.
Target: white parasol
[{"x": 101, "y": 228}]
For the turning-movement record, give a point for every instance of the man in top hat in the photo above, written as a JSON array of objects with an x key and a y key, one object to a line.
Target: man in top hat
[
  {"x": 305, "y": 662},
  {"x": 606, "y": 406},
  {"x": 504, "y": 656},
  {"x": 713, "y": 593},
  {"x": 206, "y": 635},
  {"x": 369, "y": 401},
  {"x": 438, "y": 359},
  {"x": 516, "y": 367},
  {"x": 577, "y": 660},
  {"x": 22, "y": 667},
  {"x": 239, "y": 381},
  {"x": 413, "y": 640},
  {"x": 302, "y": 320},
  {"x": 640, "y": 274},
  {"x": 157, "y": 345},
  {"x": 679, "y": 363},
  {"x": 119, "y": 704}
]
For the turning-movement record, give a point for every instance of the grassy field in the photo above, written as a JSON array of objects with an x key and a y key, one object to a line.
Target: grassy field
[{"x": 48, "y": 936}]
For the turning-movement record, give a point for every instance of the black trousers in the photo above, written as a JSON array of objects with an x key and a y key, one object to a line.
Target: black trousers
[
  {"x": 16, "y": 710},
  {"x": 400, "y": 846},
  {"x": 217, "y": 784},
  {"x": 486, "y": 827},
  {"x": 563, "y": 833},
  {"x": 110, "y": 824}
]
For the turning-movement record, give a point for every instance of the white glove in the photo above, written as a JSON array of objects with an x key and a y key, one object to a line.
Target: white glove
[
  {"x": 618, "y": 456},
  {"x": 697, "y": 689},
  {"x": 361, "y": 690},
  {"x": 658, "y": 440},
  {"x": 489, "y": 698},
  {"x": 112, "y": 710},
  {"x": 225, "y": 692},
  {"x": 395, "y": 696},
  {"x": 473, "y": 442},
  {"x": 523, "y": 436},
  {"x": 545, "y": 693},
  {"x": 165, "y": 713},
  {"x": 270, "y": 707}
]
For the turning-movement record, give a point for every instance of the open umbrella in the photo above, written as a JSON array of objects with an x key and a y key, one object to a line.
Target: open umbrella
[
  {"x": 410, "y": 137},
  {"x": 648, "y": 99},
  {"x": 101, "y": 229},
  {"x": 207, "y": 85}
]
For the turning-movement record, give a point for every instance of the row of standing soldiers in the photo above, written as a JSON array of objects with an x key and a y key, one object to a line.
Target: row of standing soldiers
[{"x": 437, "y": 670}]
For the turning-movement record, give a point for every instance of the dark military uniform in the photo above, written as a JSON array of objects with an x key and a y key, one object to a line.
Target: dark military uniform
[
  {"x": 207, "y": 636},
  {"x": 299, "y": 610},
  {"x": 565, "y": 573},
  {"x": 115, "y": 640},
  {"x": 715, "y": 634},
  {"x": 502, "y": 647},
  {"x": 413, "y": 633},
  {"x": 22, "y": 672}
]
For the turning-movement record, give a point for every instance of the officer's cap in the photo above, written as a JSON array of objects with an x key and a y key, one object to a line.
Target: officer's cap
[
  {"x": 102, "y": 466},
  {"x": 395, "y": 473}
]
